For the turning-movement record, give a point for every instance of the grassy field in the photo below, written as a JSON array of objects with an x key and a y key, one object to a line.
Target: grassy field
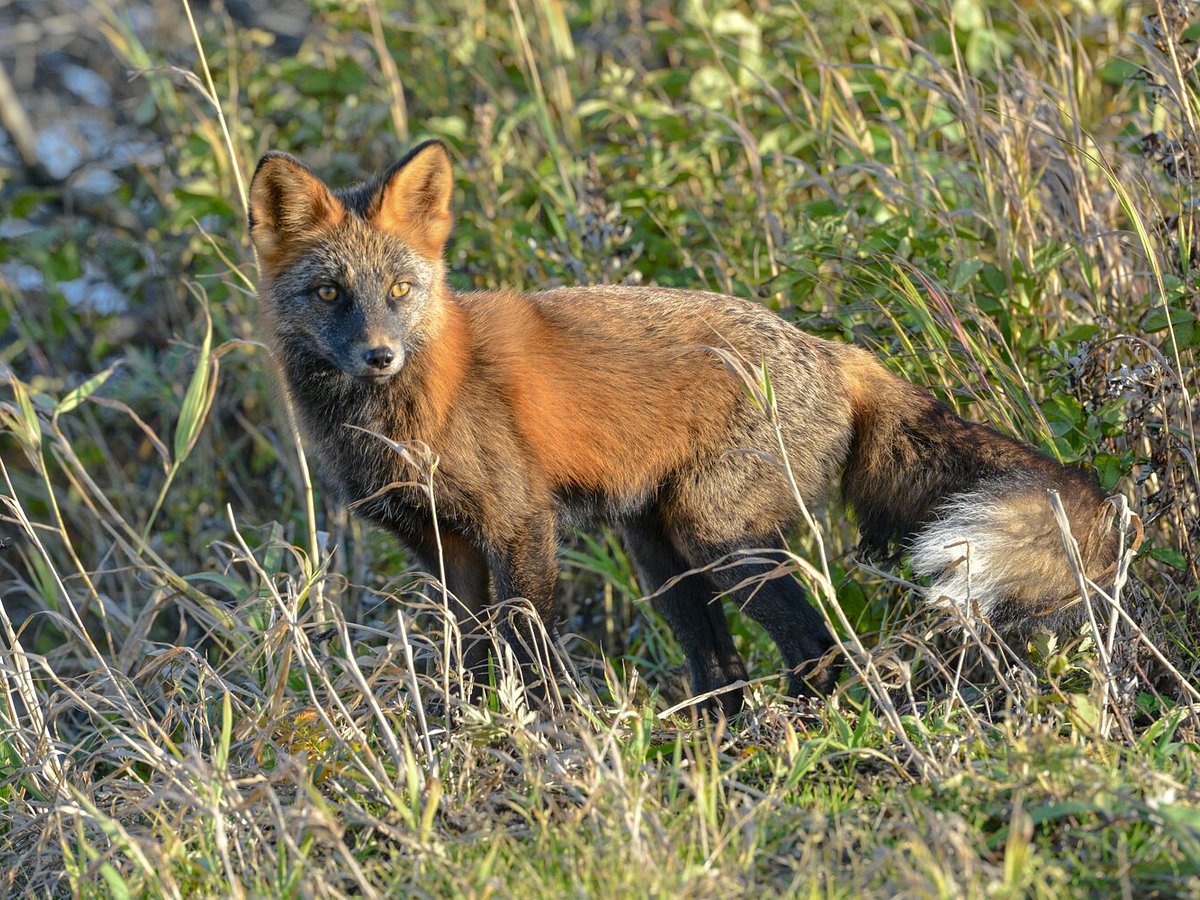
[{"x": 214, "y": 682}]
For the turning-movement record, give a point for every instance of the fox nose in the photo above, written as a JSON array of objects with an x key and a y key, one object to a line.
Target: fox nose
[{"x": 380, "y": 357}]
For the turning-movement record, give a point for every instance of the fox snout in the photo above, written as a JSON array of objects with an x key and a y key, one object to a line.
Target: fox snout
[
  {"x": 369, "y": 352},
  {"x": 380, "y": 358},
  {"x": 380, "y": 361}
]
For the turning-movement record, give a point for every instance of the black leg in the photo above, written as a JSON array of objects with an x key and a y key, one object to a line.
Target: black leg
[
  {"x": 527, "y": 567},
  {"x": 467, "y": 583},
  {"x": 777, "y": 603},
  {"x": 691, "y": 609}
]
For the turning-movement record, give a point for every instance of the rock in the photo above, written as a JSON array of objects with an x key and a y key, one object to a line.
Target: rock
[
  {"x": 86, "y": 85},
  {"x": 58, "y": 149},
  {"x": 22, "y": 276},
  {"x": 93, "y": 292}
]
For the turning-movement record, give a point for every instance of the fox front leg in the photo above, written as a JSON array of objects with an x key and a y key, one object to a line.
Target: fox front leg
[
  {"x": 525, "y": 567},
  {"x": 465, "y": 570}
]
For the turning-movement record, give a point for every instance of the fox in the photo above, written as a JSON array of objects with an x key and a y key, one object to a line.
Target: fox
[{"x": 616, "y": 405}]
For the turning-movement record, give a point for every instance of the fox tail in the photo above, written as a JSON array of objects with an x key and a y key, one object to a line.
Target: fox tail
[{"x": 970, "y": 506}]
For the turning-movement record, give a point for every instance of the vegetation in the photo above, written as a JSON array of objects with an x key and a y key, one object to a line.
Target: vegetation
[{"x": 213, "y": 682}]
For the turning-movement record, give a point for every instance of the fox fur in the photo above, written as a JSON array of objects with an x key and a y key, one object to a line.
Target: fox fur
[{"x": 609, "y": 403}]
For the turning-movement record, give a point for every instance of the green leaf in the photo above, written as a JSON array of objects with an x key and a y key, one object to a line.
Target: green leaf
[
  {"x": 235, "y": 587},
  {"x": 116, "y": 884},
  {"x": 1156, "y": 319},
  {"x": 1048, "y": 813},
  {"x": 29, "y": 430},
  {"x": 1110, "y": 468},
  {"x": 273, "y": 558},
  {"x": 198, "y": 399},
  {"x": 83, "y": 391},
  {"x": 195, "y": 204},
  {"x": 1116, "y": 72},
  {"x": 963, "y": 272},
  {"x": 1063, "y": 413},
  {"x": 994, "y": 280},
  {"x": 1080, "y": 333},
  {"x": 1170, "y": 556}
]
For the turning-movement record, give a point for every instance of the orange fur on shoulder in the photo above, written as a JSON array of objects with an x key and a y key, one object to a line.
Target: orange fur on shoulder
[
  {"x": 585, "y": 407},
  {"x": 446, "y": 364}
]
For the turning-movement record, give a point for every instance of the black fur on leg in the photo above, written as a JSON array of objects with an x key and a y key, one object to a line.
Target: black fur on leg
[{"x": 692, "y": 609}]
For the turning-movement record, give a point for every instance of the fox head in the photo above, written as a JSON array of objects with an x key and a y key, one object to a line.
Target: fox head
[{"x": 352, "y": 277}]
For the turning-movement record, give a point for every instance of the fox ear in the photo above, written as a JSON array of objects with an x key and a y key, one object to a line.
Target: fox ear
[
  {"x": 288, "y": 205},
  {"x": 414, "y": 202}
]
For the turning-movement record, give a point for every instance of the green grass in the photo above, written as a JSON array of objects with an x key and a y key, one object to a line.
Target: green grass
[{"x": 214, "y": 681}]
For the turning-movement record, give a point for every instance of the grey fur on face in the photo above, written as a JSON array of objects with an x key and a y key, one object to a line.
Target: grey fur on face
[{"x": 362, "y": 265}]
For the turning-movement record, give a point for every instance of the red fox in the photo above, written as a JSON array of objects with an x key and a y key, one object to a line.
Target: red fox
[{"x": 608, "y": 403}]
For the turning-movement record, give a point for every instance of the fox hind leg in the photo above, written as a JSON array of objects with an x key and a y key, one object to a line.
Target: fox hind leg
[
  {"x": 692, "y": 610},
  {"x": 777, "y": 602}
]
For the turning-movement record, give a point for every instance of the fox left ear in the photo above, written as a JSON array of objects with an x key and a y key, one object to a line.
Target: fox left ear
[{"x": 414, "y": 202}]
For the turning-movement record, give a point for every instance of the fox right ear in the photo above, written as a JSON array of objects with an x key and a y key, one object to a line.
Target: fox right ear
[
  {"x": 288, "y": 205},
  {"x": 414, "y": 200}
]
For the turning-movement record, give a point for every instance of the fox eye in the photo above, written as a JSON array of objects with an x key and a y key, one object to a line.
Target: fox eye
[
  {"x": 327, "y": 292},
  {"x": 400, "y": 290}
]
